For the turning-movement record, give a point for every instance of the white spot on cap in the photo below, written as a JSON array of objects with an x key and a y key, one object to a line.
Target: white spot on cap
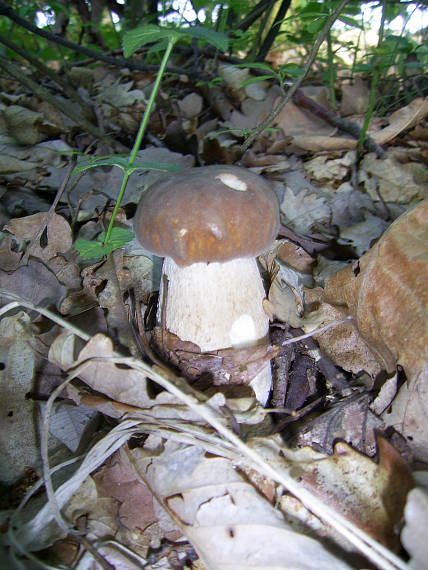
[
  {"x": 232, "y": 181},
  {"x": 183, "y": 232},
  {"x": 242, "y": 331},
  {"x": 215, "y": 230}
]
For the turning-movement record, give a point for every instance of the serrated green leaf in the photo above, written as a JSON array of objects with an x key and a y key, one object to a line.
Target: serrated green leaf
[
  {"x": 149, "y": 33},
  {"x": 122, "y": 163},
  {"x": 96, "y": 250},
  {"x": 217, "y": 39},
  {"x": 118, "y": 237},
  {"x": 91, "y": 249}
]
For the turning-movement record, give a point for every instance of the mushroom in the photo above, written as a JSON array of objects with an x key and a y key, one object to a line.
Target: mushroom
[{"x": 210, "y": 224}]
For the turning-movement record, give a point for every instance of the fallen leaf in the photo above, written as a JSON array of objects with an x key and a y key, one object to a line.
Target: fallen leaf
[
  {"x": 119, "y": 383},
  {"x": 191, "y": 105},
  {"x": 34, "y": 282},
  {"x": 405, "y": 118},
  {"x": 19, "y": 444},
  {"x": 304, "y": 209},
  {"x": 58, "y": 234},
  {"x": 227, "y": 520},
  {"x": 355, "y": 98},
  {"x": 387, "y": 295},
  {"x": 370, "y": 494},
  {"x": 396, "y": 182}
]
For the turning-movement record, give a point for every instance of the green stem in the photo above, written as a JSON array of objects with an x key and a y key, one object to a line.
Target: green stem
[
  {"x": 143, "y": 126},
  {"x": 140, "y": 135},
  {"x": 331, "y": 70},
  {"x": 373, "y": 86},
  {"x": 147, "y": 112}
]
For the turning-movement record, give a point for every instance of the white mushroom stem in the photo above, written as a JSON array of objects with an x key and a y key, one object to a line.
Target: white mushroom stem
[{"x": 216, "y": 306}]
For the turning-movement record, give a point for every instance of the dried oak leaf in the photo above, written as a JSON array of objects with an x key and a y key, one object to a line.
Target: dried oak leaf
[{"x": 387, "y": 293}]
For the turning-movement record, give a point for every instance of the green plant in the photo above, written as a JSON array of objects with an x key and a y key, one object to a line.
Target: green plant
[{"x": 116, "y": 237}]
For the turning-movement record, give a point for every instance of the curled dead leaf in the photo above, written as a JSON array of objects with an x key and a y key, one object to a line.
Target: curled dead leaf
[{"x": 386, "y": 293}]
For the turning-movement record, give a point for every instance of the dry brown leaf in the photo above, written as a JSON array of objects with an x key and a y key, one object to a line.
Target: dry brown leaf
[
  {"x": 370, "y": 494},
  {"x": 350, "y": 420},
  {"x": 299, "y": 122},
  {"x": 387, "y": 294},
  {"x": 59, "y": 237},
  {"x": 355, "y": 98},
  {"x": 9, "y": 257},
  {"x": 342, "y": 344},
  {"x": 317, "y": 143},
  {"x": 403, "y": 119}
]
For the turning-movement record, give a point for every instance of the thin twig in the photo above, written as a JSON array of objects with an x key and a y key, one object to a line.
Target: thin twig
[
  {"x": 312, "y": 56},
  {"x": 345, "y": 125},
  {"x": 318, "y": 331},
  {"x": 35, "y": 241}
]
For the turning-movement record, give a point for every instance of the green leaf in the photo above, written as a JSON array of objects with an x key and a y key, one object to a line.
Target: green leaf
[
  {"x": 85, "y": 164},
  {"x": 217, "y": 39},
  {"x": 351, "y": 22},
  {"x": 262, "y": 66},
  {"x": 258, "y": 79},
  {"x": 96, "y": 250},
  {"x": 118, "y": 237},
  {"x": 91, "y": 249},
  {"x": 121, "y": 162},
  {"x": 149, "y": 33},
  {"x": 162, "y": 166},
  {"x": 291, "y": 69}
]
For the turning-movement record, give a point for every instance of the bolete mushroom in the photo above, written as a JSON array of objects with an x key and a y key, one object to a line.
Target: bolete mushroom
[{"x": 210, "y": 223}]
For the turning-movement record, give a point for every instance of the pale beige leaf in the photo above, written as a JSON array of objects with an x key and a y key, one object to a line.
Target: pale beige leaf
[
  {"x": 397, "y": 182},
  {"x": 121, "y": 384},
  {"x": 228, "y": 522},
  {"x": 19, "y": 447},
  {"x": 191, "y": 105},
  {"x": 304, "y": 209}
]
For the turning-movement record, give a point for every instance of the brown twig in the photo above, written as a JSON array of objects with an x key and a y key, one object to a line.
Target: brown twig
[
  {"x": 348, "y": 126},
  {"x": 287, "y": 97}
]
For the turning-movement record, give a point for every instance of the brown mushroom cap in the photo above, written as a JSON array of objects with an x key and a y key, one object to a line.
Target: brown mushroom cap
[{"x": 211, "y": 213}]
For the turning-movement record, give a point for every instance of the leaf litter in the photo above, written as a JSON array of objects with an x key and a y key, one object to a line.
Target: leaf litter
[{"x": 186, "y": 471}]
